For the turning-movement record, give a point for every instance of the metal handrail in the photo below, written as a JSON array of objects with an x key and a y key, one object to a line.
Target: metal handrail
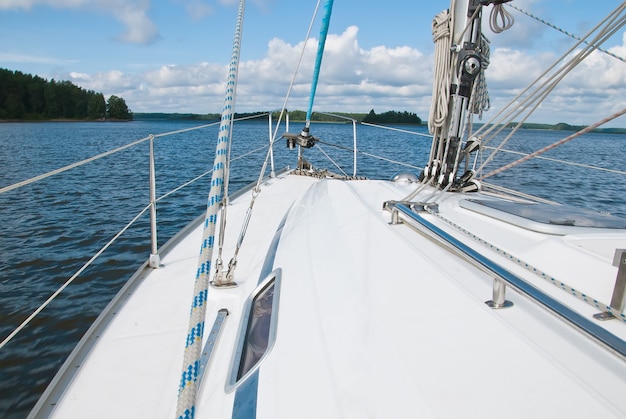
[{"x": 593, "y": 330}]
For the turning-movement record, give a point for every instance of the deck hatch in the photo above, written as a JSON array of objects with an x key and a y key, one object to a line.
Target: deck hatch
[
  {"x": 551, "y": 219},
  {"x": 258, "y": 330}
]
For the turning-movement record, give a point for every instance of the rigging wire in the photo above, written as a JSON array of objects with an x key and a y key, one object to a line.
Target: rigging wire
[
  {"x": 257, "y": 189},
  {"x": 556, "y": 144},
  {"x": 565, "y": 162},
  {"x": 533, "y": 99},
  {"x": 571, "y": 35}
]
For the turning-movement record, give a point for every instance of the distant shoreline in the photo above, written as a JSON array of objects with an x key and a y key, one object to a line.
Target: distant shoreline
[
  {"x": 63, "y": 120},
  {"x": 159, "y": 116}
]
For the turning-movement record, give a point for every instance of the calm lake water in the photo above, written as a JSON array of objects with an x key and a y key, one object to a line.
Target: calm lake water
[{"x": 49, "y": 229}]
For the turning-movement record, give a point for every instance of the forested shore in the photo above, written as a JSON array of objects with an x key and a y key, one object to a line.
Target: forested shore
[
  {"x": 33, "y": 98},
  {"x": 391, "y": 117}
]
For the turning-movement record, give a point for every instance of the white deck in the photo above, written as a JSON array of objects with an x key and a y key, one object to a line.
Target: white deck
[{"x": 375, "y": 320}]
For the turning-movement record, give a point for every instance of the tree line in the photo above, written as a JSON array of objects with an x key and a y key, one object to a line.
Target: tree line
[
  {"x": 391, "y": 117},
  {"x": 27, "y": 97}
]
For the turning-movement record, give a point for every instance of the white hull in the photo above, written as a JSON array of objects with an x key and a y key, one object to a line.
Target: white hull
[{"x": 374, "y": 319}]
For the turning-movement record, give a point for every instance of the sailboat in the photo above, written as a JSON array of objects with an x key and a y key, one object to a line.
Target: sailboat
[{"x": 316, "y": 294}]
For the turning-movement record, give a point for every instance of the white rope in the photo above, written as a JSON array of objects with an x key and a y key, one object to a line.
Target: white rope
[
  {"x": 500, "y": 19},
  {"x": 97, "y": 157},
  {"x": 70, "y": 166},
  {"x": 208, "y": 172},
  {"x": 442, "y": 37},
  {"x": 506, "y": 113},
  {"x": 193, "y": 346}
]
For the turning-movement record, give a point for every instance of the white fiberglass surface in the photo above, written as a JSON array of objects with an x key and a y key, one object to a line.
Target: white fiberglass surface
[{"x": 376, "y": 322}]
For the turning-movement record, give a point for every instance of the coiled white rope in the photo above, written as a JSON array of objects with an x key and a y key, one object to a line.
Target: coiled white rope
[
  {"x": 442, "y": 37},
  {"x": 188, "y": 388}
]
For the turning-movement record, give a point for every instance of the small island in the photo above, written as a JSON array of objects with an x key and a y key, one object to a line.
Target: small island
[{"x": 24, "y": 97}]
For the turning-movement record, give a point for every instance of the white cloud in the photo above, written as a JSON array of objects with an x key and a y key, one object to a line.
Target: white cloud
[
  {"x": 133, "y": 14},
  {"x": 22, "y": 58},
  {"x": 354, "y": 79},
  {"x": 28, "y": 4},
  {"x": 139, "y": 29},
  {"x": 594, "y": 89},
  {"x": 198, "y": 9}
]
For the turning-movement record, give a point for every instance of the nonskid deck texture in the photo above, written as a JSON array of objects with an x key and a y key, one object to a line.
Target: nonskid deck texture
[{"x": 373, "y": 320}]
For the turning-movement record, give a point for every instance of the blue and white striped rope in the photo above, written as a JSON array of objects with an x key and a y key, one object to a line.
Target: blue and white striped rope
[
  {"x": 328, "y": 7},
  {"x": 193, "y": 344}
]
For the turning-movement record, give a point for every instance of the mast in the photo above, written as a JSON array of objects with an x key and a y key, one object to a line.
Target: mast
[{"x": 462, "y": 58}]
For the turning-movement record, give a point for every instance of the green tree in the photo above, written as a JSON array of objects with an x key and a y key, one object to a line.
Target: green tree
[
  {"x": 96, "y": 105},
  {"x": 52, "y": 108},
  {"x": 117, "y": 109},
  {"x": 392, "y": 117},
  {"x": 36, "y": 100},
  {"x": 23, "y": 96}
]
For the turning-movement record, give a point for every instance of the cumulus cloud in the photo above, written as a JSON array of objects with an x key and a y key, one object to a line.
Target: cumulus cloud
[
  {"x": 595, "y": 88},
  {"x": 351, "y": 76},
  {"x": 133, "y": 14},
  {"x": 139, "y": 28},
  {"x": 198, "y": 9},
  {"x": 354, "y": 79}
]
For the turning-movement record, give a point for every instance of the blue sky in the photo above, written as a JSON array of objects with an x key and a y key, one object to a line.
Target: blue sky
[{"x": 172, "y": 55}]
